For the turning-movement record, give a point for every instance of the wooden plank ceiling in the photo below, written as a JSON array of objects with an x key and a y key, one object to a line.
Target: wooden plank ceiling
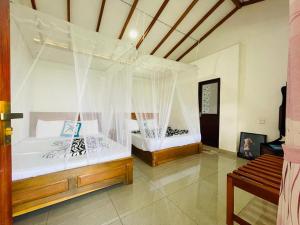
[{"x": 165, "y": 28}]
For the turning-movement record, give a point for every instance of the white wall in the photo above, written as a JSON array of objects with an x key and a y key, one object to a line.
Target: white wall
[
  {"x": 261, "y": 30},
  {"x": 224, "y": 65}
]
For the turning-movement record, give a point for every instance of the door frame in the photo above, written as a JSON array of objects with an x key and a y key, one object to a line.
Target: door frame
[
  {"x": 200, "y": 84},
  {"x": 5, "y": 147}
]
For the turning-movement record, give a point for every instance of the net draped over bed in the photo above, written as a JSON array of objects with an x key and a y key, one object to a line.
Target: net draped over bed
[
  {"x": 77, "y": 90},
  {"x": 165, "y": 102},
  {"x": 74, "y": 88}
]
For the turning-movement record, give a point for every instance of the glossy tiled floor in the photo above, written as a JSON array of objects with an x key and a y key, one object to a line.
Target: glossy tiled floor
[{"x": 191, "y": 190}]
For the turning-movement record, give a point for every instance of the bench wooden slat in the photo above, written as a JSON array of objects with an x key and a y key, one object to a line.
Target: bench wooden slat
[
  {"x": 260, "y": 170},
  {"x": 271, "y": 160},
  {"x": 271, "y": 163},
  {"x": 272, "y": 156},
  {"x": 260, "y": 174},
  {"x": 257, "y": 179},
  {"x": 265, "y": 168},
  {"x": 275, "y": 168}
]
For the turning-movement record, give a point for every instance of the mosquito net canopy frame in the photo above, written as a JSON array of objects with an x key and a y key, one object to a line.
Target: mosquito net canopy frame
[
  {"x": 74, "y": 88},
  {"x": 165, "y": 100}
]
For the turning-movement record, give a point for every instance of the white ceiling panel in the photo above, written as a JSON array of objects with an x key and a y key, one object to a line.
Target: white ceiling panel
[
  {"x": 212, "y": 20},
  {"x": 154, "y": 37},
  {"x": 85, "y": 15},
  {"x": 173, "y": 11},
  {"x": 114, "y": 16},
  {"x": 169, "y": 43},
  {"x": 57, "y": 8},
  {"x": 199, "y": 10},
  {"x": 181, "y": 49},
  {"x": 148, "y": 6}
]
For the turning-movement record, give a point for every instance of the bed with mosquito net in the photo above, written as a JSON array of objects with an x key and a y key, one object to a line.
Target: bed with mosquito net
[
  {"x": 74, "y": 136},
  {"x": 165, "y": 123}
]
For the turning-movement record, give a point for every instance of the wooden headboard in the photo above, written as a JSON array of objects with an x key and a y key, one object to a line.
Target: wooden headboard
[
  {"x": 149, "y": 116},
  {"x": 48, "y": 116}
]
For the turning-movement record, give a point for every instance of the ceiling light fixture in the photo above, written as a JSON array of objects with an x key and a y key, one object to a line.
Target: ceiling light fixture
[{"x": 133, "y": 34}]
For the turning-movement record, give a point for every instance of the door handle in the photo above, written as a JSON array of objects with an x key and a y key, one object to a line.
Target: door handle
[{"x": 10, "y": 116}]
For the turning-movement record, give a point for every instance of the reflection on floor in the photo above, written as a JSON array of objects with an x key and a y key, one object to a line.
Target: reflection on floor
[{"x": 191, "y": 190}]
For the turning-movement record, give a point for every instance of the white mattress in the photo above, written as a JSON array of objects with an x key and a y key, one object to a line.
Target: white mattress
[
  {"x": 151, "y": 145},
  {"x": 28, "y": 160}
]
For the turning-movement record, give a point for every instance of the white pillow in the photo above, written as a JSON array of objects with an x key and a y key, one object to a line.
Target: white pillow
[
  {"x": 133, "y": 125},
  {"x": 89, "y": 127},
  {"x": 49, "y": 128},
  {"x": 148, "y": 124}
]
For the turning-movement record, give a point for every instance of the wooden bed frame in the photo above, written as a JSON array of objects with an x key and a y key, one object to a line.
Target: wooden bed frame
[
  {"x": 38, "y": 192},
  {"x": 156, "y": 158},
  {"x": 166, "y": 155}
]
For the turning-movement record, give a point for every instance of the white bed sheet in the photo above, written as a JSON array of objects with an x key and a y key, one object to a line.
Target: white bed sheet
[
  {"x": 151, "y": 145},
  {"x": 28, "y": 161}
]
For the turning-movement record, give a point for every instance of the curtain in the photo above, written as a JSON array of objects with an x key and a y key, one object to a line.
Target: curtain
[
  {"x": 289, "y": 200},
  {"x": 74, "y": 88},
  {"x": 161, "y": 101}
]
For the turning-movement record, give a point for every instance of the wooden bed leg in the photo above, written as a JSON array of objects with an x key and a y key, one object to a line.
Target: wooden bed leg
[
  {"x": 129, "y": 173},
  {"x": 153, "y": 163},
  {"x": 200, "y": 148},
  {"x": 230, "y": 200}
]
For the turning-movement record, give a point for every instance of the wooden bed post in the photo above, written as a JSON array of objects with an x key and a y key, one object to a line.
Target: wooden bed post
[{"x": 5, "y": 148}]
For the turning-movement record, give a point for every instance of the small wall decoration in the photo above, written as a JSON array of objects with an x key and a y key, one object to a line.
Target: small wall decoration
[{"x": 249, "y": 147}]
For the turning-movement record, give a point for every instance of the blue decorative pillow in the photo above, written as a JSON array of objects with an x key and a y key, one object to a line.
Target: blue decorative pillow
[{"x": 70, "y": 129}]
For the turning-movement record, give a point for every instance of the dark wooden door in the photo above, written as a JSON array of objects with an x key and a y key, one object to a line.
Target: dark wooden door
[
  {"x": 5, "y": 148},
  {"x": 209, "y": 106}
]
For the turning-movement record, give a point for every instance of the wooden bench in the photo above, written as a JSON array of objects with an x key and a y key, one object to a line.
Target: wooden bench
[{"x": 260, "y": 177}]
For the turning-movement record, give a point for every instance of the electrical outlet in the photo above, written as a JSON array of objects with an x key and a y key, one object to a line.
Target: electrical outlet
[{"x": 262, "y": 121}]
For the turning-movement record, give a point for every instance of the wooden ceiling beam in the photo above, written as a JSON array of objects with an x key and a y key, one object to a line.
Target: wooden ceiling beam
[
  {"x": 237, "y": 3},
  {"x": 208, "y": 33},
  {"x": 188, "y": 9},
  {"x": 161, "y": 8},
  {"x": 100, "y": 15},
  {"x": 128, "y": 18},
  {"x": 251, "y": 2},
  {"x": 33, "y": 4},
  {"x": 195, "y": 27},
  {"x": 69, "y": 10}
]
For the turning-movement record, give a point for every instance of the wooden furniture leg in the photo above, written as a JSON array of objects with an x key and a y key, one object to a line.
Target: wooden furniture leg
[{"x": 230, "y": 200}]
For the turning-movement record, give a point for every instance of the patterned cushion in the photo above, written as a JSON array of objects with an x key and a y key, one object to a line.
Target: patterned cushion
[
  {"x": 79, "y": 147},
  {"x": 71, "y": 128},
  {"x": 169, "y": 133}
]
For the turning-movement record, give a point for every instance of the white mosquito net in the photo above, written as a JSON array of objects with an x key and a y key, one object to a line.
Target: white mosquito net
[
  {"x": 74, "y": 88},
  {"x": 165, "y": 103}
]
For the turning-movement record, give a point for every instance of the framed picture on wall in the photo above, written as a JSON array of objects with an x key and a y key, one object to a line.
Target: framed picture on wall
[{"x": 249, "y": 147}]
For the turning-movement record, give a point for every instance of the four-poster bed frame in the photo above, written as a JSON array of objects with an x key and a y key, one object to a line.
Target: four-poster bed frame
[{"x": 158, "y": 157}]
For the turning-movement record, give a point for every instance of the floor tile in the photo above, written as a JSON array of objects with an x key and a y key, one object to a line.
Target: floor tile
[
  {"x": 117, "y": 222},
  {"x": 201, "y": 202},
  {"x": 92, "y": 209},
  {"x": 128, "y": 198},
  {"x": 162, "y": 212},
  {"x": 259, "y": 212},
  {"x": 38, "y": 217}
]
